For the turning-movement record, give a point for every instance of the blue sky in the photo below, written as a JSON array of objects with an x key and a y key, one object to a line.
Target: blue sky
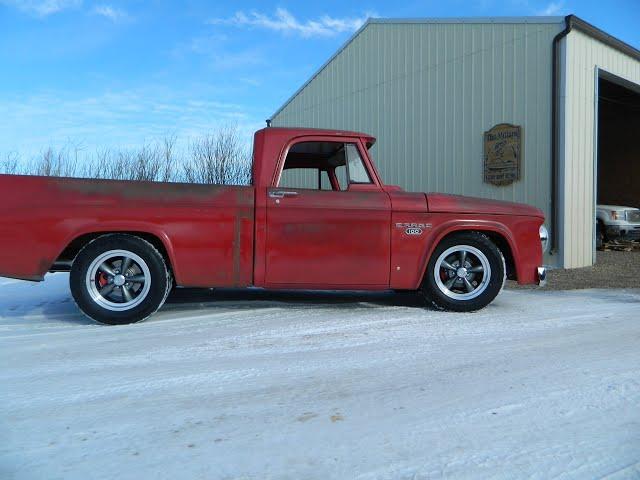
[{"x": 124, "y": 73}]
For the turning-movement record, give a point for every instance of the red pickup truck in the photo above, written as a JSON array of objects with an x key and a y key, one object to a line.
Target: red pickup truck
[{"x": 317, "y": 216}]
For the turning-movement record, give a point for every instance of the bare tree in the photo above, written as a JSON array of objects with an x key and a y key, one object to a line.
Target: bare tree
[
  {"x": 167, "y": 171},
  {"x": 219, "y": 158},
  {"x": 9, "y": 164},
  {"x": 145, "y": 164},
  {"x": 53, "y": 163}
]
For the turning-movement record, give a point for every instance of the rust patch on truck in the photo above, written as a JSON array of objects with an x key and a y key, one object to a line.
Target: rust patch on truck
[
  {"x": 161, "y": 192},
  {"x": 237, "y": 245},
  {"x": 243, "y": 214},
  {"x": 305, "y": 228}
]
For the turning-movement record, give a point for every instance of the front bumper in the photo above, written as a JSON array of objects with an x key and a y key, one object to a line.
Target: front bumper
[
  {"x": 623, "y": 232},
  {"x": 542, "y": 276}
]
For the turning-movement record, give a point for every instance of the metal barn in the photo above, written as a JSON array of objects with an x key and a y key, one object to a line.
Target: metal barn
[{"x": 506, "y": 108}]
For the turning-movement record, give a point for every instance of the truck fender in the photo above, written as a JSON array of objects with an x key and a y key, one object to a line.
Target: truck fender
[
  {"x": 442, "y": 230},
  {"x": 132, "y": 228}
]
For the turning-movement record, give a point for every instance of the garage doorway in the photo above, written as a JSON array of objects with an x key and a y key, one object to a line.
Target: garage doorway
[
  {"x": 618, "y": 175},
  {"x": 618, "y": 142}
]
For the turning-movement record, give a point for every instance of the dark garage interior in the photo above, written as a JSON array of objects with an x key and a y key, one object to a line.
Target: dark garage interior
[{"x": 618, "y": 144}]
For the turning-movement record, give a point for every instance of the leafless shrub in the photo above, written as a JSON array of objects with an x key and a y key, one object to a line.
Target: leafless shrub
[
  {"x": 9, "y": 164},
  {"x": 149, "y": 163},
  {"x": 219, "y": 158},
  {"x": 59, "y": 163},
  {"x": 167, "y": 167},
  {"x": 143, "y": 164}
]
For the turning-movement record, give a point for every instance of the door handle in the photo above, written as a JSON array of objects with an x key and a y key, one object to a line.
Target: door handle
[{"x": 282, "y": 193}]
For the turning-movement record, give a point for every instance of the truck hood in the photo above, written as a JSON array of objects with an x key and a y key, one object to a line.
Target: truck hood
[
  {"x": 444, "y": 203},
  {"x": 615, "y": 207}
]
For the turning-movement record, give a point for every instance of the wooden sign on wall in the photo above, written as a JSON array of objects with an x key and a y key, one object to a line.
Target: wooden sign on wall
[{"x": 502, "y": 154}]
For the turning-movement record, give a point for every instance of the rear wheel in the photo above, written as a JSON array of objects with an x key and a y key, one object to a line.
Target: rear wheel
[
  {"x": 118, "y": 279},
  {"x": 465, "y": 273}
]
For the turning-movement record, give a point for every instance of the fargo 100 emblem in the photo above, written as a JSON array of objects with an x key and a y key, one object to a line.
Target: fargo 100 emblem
[{"x": 413, "y": 228}]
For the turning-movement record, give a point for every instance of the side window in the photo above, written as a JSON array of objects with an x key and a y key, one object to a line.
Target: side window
[
  {"x": 357, "y": 171},
  {"x": 311, "y": 165},
  {"x": 323, "y": 166},
  {"x": 301, "y": 178}
]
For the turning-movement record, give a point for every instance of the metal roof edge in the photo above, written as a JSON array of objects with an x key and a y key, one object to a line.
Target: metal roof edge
[
  {"x": 594, "y": 32},
  {"x": 319, "y": 70},
  {"x": 467, "y": 20}
]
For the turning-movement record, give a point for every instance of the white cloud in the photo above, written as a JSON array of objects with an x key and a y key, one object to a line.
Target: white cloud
[
  {"x": 283, "y": 21},
  {"x": 237, "y": 60},
  {"x": 42, "y": 8},
  {"x": 221, "y": 56},
  {"x": 553, "y": 8},
  {"x": 111, "y": 13}
]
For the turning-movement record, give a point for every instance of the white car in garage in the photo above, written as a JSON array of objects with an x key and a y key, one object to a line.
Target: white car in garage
[{"x": 615, "y": 222}]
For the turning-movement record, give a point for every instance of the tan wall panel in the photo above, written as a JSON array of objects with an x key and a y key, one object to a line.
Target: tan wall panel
[{"x": 578, "y": 100}]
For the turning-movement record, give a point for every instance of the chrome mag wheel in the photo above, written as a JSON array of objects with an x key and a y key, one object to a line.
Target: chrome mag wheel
[
  {"x": 118, "y": 280},
  {"x": 462, "y": 272}
]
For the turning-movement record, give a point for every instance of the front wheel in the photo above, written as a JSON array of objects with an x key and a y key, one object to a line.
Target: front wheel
[
  {"x": 118, "y": 279},
  {"x": 465, "y": 273}
]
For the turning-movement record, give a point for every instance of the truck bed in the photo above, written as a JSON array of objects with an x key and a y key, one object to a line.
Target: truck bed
[{"x": 206, "y": 231}]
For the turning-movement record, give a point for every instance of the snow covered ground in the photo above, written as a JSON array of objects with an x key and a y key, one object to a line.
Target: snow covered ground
[{"x": 245, "y": 385}]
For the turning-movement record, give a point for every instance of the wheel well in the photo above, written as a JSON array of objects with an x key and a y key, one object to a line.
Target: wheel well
[
  {"x": 65, "y": 259},
  {"x": 502, "y": 244}
]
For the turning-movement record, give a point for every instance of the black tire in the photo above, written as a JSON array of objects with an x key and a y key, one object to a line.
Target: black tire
[
  {"x": 600, "y": 238},
  {"x": 480, "y": 252},
  {"x": 147, "y": 276}
]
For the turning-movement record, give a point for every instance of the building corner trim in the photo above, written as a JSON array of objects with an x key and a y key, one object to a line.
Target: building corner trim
[{"x": 555, "y": 126}]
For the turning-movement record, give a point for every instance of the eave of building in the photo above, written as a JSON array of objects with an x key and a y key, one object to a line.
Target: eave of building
[{"x": 447, "y": 20}]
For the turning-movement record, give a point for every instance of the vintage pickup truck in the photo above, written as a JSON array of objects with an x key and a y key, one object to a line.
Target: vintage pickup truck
[{"x": 317, "y": 216}]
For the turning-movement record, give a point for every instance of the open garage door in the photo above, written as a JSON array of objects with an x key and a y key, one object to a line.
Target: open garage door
[
  {"x": 618, "y": 175},
  {"x": 618, "y": 181}
]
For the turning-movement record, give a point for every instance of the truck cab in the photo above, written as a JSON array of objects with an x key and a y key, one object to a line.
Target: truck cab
[{"x": 327, "y": 216}]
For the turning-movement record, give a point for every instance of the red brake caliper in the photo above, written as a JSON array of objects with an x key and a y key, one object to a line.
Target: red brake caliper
[
  {"x": 443, "y": 275},
  {"x": 102, "y": 279}
]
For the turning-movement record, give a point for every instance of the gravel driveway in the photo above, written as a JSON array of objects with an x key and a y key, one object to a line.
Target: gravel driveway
[{"x": 612, "y": 270}]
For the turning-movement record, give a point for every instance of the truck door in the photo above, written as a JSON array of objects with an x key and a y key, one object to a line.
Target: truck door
[{"x": 328, "y": 220}]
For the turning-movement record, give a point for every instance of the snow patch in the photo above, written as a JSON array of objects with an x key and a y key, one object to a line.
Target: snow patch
[{"x": 369, "y": 386}]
